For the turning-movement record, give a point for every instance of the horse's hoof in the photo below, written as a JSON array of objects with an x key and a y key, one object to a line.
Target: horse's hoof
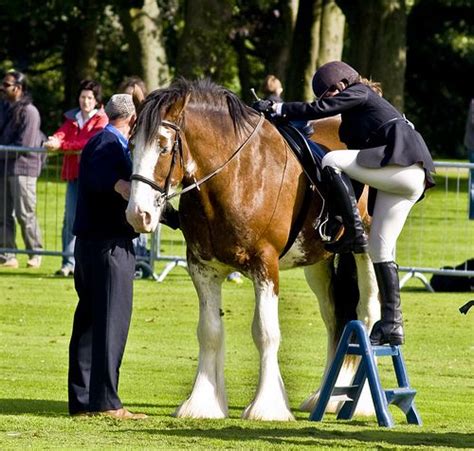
[
  {"x": 257, "y": 413},
  {"x": 309, "y": 403},
  {"x": 191, "y": 410}
]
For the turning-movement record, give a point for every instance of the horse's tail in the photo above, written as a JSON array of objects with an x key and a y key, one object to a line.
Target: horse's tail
[{"x": 346, "y": 291}]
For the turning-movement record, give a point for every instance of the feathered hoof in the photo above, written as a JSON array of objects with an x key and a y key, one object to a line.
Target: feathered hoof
[
  {"x": 365, "y": 407},
  {"x": 365, "y": 410},
  {"x": 309, "y": 403},
  {"x": 334, "y": 404},
  {"x": 258, "y": 412},
  {"x": 190, "y": 409}
]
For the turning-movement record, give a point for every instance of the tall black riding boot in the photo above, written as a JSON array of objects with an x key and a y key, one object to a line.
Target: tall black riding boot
[
  {"x": 170, "y": 216},
  {"x": 390, "y": 328},
  {"x": 342, "y": 197}
]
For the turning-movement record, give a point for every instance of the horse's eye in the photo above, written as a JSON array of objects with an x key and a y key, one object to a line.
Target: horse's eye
[{"x": 164, "y": 150}]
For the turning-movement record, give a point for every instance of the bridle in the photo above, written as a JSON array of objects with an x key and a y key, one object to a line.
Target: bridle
[
  {"x": 175, "y": 151},
  {"x": 178, "y": 151}
]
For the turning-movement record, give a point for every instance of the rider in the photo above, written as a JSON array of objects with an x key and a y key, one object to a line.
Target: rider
[{"x": 389, "y": 156}]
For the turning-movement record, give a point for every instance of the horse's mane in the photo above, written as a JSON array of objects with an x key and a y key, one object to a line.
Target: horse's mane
[{"x": 204, "y": 93}]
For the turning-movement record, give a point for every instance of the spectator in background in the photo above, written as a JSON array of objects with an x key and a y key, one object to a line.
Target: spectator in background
[
  {"x": 104, "y": 269},
  {"x": 272, "y": 89},
  {"x": 80, "y": 125},
  {"x": 19, "y": 126},
  {"x": 469, "y": 143},
  {"x": 134, "y": 86}
]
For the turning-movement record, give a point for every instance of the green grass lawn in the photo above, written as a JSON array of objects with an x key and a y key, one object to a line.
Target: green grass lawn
[{"x": 161, "y": 358}]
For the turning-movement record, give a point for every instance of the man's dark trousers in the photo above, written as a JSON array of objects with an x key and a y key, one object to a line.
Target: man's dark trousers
[{"x": 103, "y": 279}]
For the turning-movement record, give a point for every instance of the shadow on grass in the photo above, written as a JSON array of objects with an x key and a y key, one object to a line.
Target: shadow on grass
[
  {"x": 33, "y": 274},
  {"x": 43, "y": 407},
  {"x": 47, "y": 407},
  {"x": 315, "y": 437}
]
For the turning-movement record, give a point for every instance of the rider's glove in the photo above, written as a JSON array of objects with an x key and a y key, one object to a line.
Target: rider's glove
[{"x": 264, "y": 106}]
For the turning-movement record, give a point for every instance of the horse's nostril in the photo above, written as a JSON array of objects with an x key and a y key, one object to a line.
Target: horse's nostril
[{"x": 146, "y": 218}]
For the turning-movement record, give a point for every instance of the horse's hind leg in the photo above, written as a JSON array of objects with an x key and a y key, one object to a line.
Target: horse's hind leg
[
  {"x": 270, "y": 401},
  {"x": 368, "y": 308},
  {"x": 368, "y": 311},
  {"x": 319, "y": 278},
  {"x": 208, "y": 398}
]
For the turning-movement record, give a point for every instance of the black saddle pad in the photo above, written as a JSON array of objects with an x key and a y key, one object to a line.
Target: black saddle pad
[{"x": 300, "y": 147}]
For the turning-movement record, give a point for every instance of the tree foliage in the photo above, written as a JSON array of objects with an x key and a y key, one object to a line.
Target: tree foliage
[
  {"x": 238, "y": 42},
  {"x": 441, "y": 71}
]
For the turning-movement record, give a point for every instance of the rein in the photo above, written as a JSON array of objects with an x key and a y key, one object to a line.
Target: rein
[{"x": 176, "y": 149}]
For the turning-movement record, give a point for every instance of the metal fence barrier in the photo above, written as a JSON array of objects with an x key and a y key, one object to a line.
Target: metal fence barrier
[
  {"x": 49, "y": 197},
  {"x": 50, "y": 202},
  {"x": 448, "y": 220}
]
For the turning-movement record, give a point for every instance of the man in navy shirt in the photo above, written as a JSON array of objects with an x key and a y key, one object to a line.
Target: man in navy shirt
[{"x": 105, "y": 264}]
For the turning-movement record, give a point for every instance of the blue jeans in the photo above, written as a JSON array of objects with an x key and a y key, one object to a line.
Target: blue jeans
[
  {"x": 317, "y": 152},
  {"x": 68, "y": 239}
]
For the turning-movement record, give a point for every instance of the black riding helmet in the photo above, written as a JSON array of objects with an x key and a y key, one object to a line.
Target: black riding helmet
[{"x": 330, "y": 74}]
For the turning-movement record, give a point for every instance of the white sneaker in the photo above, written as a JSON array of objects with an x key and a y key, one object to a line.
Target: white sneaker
[
  {"x": 65, "y": 271},
  {"x": 34, "y": 262},
  {"x": 10, "y": 263},
  {"x": 235, "y": 277}
]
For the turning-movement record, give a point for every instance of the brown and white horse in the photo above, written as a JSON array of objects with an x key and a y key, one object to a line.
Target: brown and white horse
[{"x": 243, "y": 195}]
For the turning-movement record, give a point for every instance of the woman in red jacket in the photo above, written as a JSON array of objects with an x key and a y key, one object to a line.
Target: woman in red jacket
[{"x": 80, "y": 125}]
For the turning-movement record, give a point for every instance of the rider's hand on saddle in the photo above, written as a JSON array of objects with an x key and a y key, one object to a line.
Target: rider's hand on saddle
[{"x": 264, "y": 106}]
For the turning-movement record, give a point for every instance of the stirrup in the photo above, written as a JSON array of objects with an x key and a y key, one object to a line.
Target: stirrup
[{"x": 330, "y": 228}]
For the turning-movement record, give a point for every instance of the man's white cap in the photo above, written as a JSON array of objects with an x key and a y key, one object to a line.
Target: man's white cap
[{"x": 120, "y": 106}]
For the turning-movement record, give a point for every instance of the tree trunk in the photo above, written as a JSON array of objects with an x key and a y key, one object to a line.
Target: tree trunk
[
  {"x": 80, "y": 49},
  {"x": 147, "y": 55},
  {"x": 317, "y": 39},
  {"x": 204, "y": 49},
  {"x": 304, "y": 50},
  {"x": 377, "y": 30},
  {"x": 278, "y": 52},
  {"x": 332, "y": 33},
  {"x": 260, "y": 41}
]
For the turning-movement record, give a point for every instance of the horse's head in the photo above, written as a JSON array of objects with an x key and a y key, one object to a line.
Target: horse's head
[
  {"x": 187, "y": 129},
  {"x": 157, "y": 159}
]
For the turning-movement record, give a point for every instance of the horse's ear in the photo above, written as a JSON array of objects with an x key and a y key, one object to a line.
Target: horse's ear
[{"x": 177, "y": 108}]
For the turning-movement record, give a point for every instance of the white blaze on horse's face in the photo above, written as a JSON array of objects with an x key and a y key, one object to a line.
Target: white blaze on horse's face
[{"x": 144, "y": 210}]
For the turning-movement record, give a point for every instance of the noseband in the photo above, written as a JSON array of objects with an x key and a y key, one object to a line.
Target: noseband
[{"x": 177, "y": 149}]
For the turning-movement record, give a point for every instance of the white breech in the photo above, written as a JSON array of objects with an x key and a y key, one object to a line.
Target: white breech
[{"x": 398, "y": 189}]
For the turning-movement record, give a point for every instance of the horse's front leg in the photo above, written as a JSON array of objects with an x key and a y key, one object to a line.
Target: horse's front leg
[
  {"x": 270, "y": 401},
  {"x": 208, "y": 398}
]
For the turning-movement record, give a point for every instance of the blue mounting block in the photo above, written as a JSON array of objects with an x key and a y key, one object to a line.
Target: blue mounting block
[{"x": 355, "y": 341}]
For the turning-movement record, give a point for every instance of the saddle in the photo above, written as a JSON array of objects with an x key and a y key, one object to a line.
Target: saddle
[
  {"x": 310, "y": 155},
  {"x": 310, "y": 160}
]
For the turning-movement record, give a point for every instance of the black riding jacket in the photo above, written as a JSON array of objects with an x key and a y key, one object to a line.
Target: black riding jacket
[{"x": 369, "y": 123}]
